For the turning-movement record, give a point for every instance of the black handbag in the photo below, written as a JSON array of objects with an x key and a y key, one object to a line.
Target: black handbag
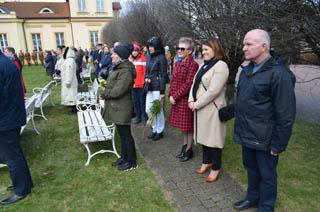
[
  {"x": 146, "y": 85},
  {"x": 226, "y": 113}
]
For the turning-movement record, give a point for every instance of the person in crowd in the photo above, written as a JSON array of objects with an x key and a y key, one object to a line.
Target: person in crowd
[
  {"x": 34, "y": 57},
  {"x": 156, "y": 72},
  {"x": 60, "y": 60},
  {"x": 27, "y": 55},
  {"x": 106, "y": 60},
  {"x": 21, "y": 57},
  {"x": 54, "y": 56},
  {"x": 206, "y": 96},
  {"x": 69, "y": 82},
  {"x": 119, "y": 106},
  {"x": 41, "y": 57},
  {"x": 138, "y": 98},
  {"x": 86, "y": 55},
  {"x": 116, "y": 44},
  {"x": 12, "y": 118},
  {"x": 78, "y": 60},
  {"x": 264, "y": 117},
  {"x": 49, "y": 63},
  {"x": 168, "y": 58},
  {"x": 181, "y": 115},
  {"x": 97, "y": 55},
  {"x": 10, "y": 53}
]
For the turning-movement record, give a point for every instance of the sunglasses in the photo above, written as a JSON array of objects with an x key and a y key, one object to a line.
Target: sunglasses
[{"x": 181, "y": 49}]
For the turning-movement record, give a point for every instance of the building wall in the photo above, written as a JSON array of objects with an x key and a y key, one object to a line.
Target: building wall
[{"x": 91, "y": 9}]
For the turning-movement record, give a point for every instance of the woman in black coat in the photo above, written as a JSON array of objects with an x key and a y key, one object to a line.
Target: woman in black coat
[{"x": 49, "y": 63}]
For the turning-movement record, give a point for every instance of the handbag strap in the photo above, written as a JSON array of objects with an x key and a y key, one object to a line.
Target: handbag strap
[{"x": 212, "y": 100}]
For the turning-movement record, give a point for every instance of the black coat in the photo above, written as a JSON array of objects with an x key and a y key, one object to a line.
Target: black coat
[
  {"x": 12, "y": 108},
  {"x": 50, "y": 68},
  {"x": 158, "y": 64},
  {"x": 266, "y": 106}
]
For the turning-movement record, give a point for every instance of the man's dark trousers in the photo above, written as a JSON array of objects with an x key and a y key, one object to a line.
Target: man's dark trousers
[
  {"x": 96, "y": 70},
  {"x": 12, "y": 155},
  {"x": 139, "y": 102},
  {"x": 262, "y": 177}
]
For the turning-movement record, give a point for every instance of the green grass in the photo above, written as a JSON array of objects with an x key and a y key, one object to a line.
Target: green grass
[{"x": 62, "y": 182}]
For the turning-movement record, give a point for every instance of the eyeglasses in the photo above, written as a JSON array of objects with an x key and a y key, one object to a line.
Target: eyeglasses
[{"x": 181, "y": 49}]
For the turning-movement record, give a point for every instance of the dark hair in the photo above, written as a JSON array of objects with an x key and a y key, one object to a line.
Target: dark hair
[
  {"x": 11, "y": 49},
  {"x": 217, "y": 48}
]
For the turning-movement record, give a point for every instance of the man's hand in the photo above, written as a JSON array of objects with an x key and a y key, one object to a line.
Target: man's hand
[
  {"x": 68, "y": 85},
  {"x": 172, "y": 101},
  {"x": 162, "y": 96},
  {"x": 273, "y": 153},
  {"x": 191, "y": 106}
]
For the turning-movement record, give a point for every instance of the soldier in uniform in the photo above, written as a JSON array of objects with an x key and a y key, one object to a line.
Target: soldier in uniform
[
  {"x": 34, "y": 57},
  {"x": 27, "y": 55},
  {"x": 41, "y": 57},
  {"x": 21, "y": 57}
]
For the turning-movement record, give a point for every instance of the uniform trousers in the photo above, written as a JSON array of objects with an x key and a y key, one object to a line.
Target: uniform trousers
[
  {"x": 262, "y": 177},
  {"x": 158, "y": 123},
  {"x": 128, "y": 149},
  {"x": 212, "y": 155},
  {"x": 11, "y": 154}
]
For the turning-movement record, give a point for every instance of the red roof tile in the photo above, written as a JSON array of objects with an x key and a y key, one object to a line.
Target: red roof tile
[{"x": 32, "y": 9}]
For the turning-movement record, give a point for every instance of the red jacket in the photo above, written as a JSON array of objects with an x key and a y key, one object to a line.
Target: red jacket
[{"x": 140, "y": 64}]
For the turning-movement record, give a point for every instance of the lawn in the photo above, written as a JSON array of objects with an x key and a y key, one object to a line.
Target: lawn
[{"x": 62, "y": 182}]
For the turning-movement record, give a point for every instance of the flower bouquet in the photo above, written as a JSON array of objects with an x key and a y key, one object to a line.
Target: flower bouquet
[{"x": 155, "y": 110}]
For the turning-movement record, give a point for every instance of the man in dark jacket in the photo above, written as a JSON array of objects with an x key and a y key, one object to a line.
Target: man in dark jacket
[
  {"x": 97, "y": 55},
  {"x": 265, "y": 114},
  {"x": 12, "y": 117}
]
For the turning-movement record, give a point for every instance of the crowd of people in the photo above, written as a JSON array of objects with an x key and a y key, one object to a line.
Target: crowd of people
[{"x": 137, "y": 76}]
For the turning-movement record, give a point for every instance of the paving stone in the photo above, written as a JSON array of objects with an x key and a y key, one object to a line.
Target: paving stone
[
  {"x": 193, "y": 200},
  {"x": 202, "y": 196},
  {"x": 209, "y": 203},
  {"x": 187, "y": 193},
  {"x": 182, "y": 186},
  {"x": 229, "y": 210},
  {"x": 214, "y": 209},
  {"x": 187, "y": 208},
  {"x": 216, "y": 197},
  {"x": 200, "y": 208},
  {"x": 223, "y": 204},
  {"x": 181, "y": 200}
]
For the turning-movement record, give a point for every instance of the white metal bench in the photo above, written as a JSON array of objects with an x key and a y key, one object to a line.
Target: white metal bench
[
  {"x": 86, "y": 73},
  {"x": 92, "y": 128},
  {"x": 41, "y": 94},
  {"x": 57, "y": 78},
  {"x": 2, "y": 165},
  {"x": 30, "y": 106}
]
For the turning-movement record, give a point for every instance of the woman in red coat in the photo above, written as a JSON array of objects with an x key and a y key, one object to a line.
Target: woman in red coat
[{"x": 180, "y": 114}]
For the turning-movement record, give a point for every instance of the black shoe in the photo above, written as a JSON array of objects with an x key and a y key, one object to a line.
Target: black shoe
[
  {"x": 158, "y": 136},
  {"x": 118, "y": 162},
  {"x": 187, "y": 155},
  {"x": 127, "y": 166},
  {"x": 183, "y": 150},
  {"x": 137, "y": 121},
  {"x": 151, "y": 136},
  {"x": 10, "y": 188},
  {"x": 244, "y": 204},
  {"x": 12, "y": 199}
]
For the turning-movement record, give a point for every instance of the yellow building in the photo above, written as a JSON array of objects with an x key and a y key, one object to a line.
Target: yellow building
[{"x": 43, "y": 25}]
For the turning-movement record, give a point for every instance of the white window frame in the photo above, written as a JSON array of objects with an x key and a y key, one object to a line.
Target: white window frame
[
  {"x": 59, "y": 38},
  {"x": 3, "y": 41},
  {"x": 100, "y": 5},
  {"x": 46, "y": 10},
  {"x": 36, "y": 42},
  {"x": 94, "y": 38},
  {"x": 82, "y": 5}
]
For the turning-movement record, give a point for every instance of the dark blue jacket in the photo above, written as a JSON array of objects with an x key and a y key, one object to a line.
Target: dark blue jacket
[
  {"x": 106, "y": 61},
  {"x": 12, "y": 107},
  {"x": 266, "y": 106}
]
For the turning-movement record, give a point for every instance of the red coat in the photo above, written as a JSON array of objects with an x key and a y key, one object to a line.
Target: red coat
[
  {"x": 180, "y": 114},
  {"x": 140, "y": 64}
]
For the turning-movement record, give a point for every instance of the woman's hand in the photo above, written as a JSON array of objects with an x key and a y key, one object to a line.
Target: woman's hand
[
  {"x": 68, "y": 85},
  {"x": 148, "y": 80},
  {"x": 162, "y": 96},
  {"x": 172, "y": 101},
  {"x": 100, "y": 97},
  {"x": 191, "y": 106}
]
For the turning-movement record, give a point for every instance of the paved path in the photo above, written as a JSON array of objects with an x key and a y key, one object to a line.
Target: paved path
[{"x": 184, "y": 189}]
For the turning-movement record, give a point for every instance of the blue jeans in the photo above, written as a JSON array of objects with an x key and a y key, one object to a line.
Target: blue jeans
[
  {"x": 262, "y": 177},
  {"x": 11, "y": 154},
  {"x": 139, "y": 102}
]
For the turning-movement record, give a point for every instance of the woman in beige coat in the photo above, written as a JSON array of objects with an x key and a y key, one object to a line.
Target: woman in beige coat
[{"x": 206, "y": 96}]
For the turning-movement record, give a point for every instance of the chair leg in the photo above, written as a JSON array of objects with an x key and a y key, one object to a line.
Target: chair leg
[
  {"x": 42, "y": 114},
  {"x": 34, "y": 126},
  {"x": 89, "y": 154}
]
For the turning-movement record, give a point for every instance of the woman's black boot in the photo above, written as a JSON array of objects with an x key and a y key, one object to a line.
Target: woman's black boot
[
  {"x": 183, "y": 150},
  {"x": 187, "y": 155}
]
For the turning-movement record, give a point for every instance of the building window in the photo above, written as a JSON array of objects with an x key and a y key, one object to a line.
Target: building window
[
  {"x": 100, "y": 5},
  {"x": 36, "y": 42},
  {"x": 94, "y": 38},
  {"x": 3, "y": 42},
  {"x": 82, "y": 5},
  {"x": 46, "y": 10},
  {"x": 59, "y": 39}
]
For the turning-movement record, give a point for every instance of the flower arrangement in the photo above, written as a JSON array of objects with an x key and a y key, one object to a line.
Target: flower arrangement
[
  {"x": 102, "y": 83},
  {"x": 155, "y": 110}
]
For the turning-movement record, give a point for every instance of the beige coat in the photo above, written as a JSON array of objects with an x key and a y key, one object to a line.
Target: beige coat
[
  {"x": 68, "y": 76},
  {"x": 209, "y": 130}
]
